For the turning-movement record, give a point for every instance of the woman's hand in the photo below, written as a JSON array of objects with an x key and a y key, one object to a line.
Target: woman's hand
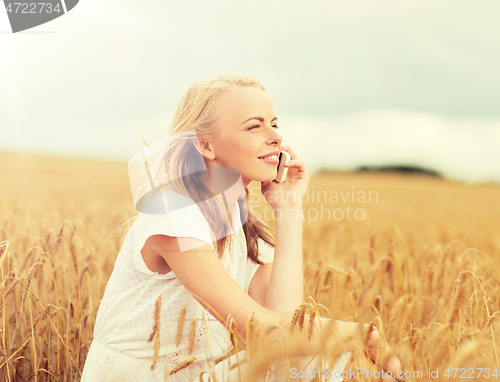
[
  {"x": 388, "y": 361},
  {"x": 293, "y": 189}
]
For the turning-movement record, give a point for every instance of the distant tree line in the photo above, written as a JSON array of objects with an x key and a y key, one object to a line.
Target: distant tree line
[{"x": 400, "y": 168}]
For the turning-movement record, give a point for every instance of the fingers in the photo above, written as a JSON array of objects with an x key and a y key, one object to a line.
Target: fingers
[
  {"x": 393, "y": 365},
  {"x": 295, "y": 163},
  {"x": 289, "y": 151},
  {"x": 388, "y": 360},
  {"x": 298, "y": 164},
  {"x": 391, "y": 362},
  {"x": 391, "y": 368}
]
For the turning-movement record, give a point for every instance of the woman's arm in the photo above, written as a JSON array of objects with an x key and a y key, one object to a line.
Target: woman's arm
[
  {"x": 260, "y": 280},
  {"x": 202, "y": 274},
  {"x": 285, "y": 292},
  {"x": 286, "y": 283}
]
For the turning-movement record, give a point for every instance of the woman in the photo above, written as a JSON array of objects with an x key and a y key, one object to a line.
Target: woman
[{"x": 197, "y": 260}]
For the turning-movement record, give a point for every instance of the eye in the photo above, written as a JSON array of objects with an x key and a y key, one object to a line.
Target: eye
[{"x": 275, "y": 126}]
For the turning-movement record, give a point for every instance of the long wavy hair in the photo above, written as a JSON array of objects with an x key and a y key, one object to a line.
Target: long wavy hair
[{"x": 197, "y": 111}]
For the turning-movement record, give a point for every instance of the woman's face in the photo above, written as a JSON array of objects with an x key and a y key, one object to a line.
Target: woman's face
[{"x": 249, "y": 126}]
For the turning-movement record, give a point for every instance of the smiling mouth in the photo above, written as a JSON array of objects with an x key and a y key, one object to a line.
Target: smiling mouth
[{"x": 270, "y": 157}]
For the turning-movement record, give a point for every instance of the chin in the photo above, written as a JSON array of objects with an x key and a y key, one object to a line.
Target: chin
[{"x": 263, "y": 178}]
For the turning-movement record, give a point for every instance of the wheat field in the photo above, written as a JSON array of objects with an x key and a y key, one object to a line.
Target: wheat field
[{"x": 419, "y": 260}]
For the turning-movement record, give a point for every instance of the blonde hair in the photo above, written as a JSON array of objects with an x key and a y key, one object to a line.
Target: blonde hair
[{"x": 197, "y": 110}]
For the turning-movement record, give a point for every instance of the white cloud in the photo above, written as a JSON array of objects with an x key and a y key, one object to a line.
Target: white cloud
[
  {"x": 468, "y": 150},
  {"x": 346, "y": 73}
]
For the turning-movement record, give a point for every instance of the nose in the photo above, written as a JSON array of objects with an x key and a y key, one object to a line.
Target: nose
[{"x": 275, "y": 137}]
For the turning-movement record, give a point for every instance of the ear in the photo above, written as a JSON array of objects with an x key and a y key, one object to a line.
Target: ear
[{"x": 204, "y": 148}]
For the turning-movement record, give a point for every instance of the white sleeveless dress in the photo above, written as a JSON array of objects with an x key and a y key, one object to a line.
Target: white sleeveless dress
[{"x": 120, "y": 351}]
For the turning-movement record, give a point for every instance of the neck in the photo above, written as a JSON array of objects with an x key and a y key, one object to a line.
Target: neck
[{"x": 226, "y": 183}]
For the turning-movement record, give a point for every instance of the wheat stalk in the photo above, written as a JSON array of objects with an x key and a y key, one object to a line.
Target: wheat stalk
[
  {"x": 408, "y": 315},
  {"x": 429, "y": 277},
  {"x": 301, "y": 316},
  {"x": 470, "y": 309},
  {"x": 180, "y": 324},
  {"x": 25, "y": 259},
  {"x": 12, "y": 286},
  {"x": 58, "y": 241},
  {"x": 2, "y": 294},
  {"x": 74, "y": 252},
  {"x": 182, "y": 365},
  {"x": 317, "y": 289},
  {"x": 488, "y": 321},
  {"x": 156, "y": 331},
  {"x": 252, "y": 335},
  {"x": 296, "y": 317},
  {"x": 27, "y": 281},
  {"x": 42, "y": 316},
  {"x": 192, "y": 334},
  {"x": 232, "y": 330},
  {"x": 396, "y": 314},
  {"x": 21, "y": 351},
  {"x": 86, "y": 269},
  {"x": 311, "y": 325},
  {"x": 4, "y": 245}
]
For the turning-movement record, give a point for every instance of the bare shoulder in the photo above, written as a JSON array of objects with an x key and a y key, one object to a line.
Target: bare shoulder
[
  {"x": 151, "y": 252},
  {"x": 157, "y": 243},
  {"x": 201, "y": 273}
]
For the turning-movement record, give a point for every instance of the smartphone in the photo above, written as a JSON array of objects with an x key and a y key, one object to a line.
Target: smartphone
[{"x": 284, "y": 158}]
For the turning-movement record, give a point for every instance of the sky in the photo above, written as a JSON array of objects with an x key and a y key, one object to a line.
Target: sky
[{"x": 352, "y": 82}]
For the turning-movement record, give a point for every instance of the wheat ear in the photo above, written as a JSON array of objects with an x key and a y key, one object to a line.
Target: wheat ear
[
  {"x": 192, "y": 334},
  {"x": 311, "y": 325},
  {"x": 182, "y": 365},
  {"x": 180, "y": 325},
  {"x": 156, "y": 331}
]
